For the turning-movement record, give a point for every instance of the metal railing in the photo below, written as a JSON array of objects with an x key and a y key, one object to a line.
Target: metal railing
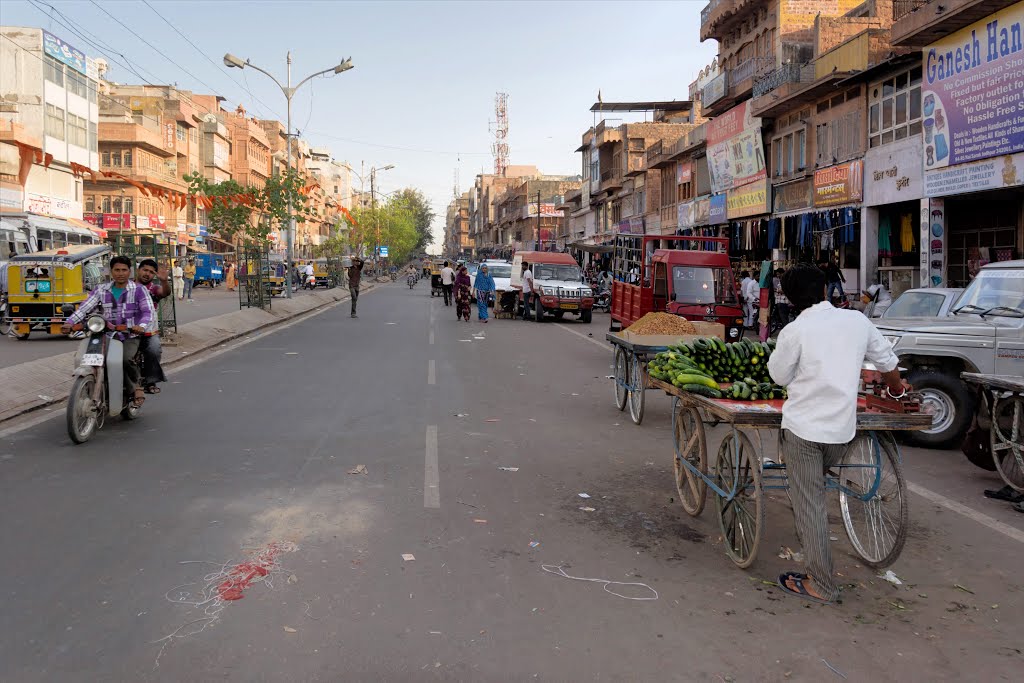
[
  {"x": 787, "y": 73},
  {"x": 752, "y": 67},
  {"x": 901, "y": 8}
]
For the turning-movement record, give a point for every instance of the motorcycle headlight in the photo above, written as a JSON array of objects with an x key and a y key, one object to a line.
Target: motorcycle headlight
[{"x": 96, "y": 324}]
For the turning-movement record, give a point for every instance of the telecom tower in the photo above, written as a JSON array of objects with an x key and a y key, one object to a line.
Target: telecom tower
[{"x": 500, "y": 130}]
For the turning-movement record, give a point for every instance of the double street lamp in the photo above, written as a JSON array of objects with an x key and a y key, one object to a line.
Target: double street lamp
[
  {"x": 373, "y": 202},
  {"x": 231, "y": 61}
]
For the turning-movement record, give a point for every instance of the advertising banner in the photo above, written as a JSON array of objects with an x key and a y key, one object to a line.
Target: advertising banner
[
  {"x": 892, "y": 173},
  {"x": 933, "y": 243},
  {"x": 684, "y": 218},
  {"x": 684, "y": 172},
  {"x": 735, "y": 149},
  {"x": 838, "y": 185},
  {"x": 701, "y": 212},
  {"x": 117, "y": 221},
  {"x": 792, "y": 197},
  {"x": 749, "y": 200},
  {"x": 990, "y": 174},
  {"x": 63, "y": 52},
  {"x": 717, "y": 209},
  {"x": 972, "y": 98},
  {"x": 714, "y": 90}
]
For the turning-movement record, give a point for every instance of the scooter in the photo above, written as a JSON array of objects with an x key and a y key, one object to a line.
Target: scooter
[{"x": 99, "y": 389}]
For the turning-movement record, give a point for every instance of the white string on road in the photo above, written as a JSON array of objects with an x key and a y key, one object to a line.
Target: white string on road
[{"x": 557, "y": 570}]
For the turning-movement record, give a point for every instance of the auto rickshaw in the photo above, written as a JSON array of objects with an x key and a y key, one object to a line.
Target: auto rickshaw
[
  {"x": 273, "y": 282},
  {"x": 435, "y": 278},
  {"x": 323, "y": 273},
  {"x": 44, "y": 288}
]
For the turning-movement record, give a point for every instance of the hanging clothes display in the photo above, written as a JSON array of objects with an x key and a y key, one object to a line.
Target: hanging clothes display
[
  {"x": 907, "y": 242},
  {"x": 884, "y": 238}
]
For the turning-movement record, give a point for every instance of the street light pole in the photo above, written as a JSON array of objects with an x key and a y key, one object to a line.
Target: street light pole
[{"x": 234, "y": 62}]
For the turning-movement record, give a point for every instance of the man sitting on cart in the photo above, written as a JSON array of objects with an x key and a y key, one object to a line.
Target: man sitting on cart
[{"x": 819, "y": 358}]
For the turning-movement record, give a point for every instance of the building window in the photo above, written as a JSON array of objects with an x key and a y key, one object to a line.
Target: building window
[
  {"x": 115, "y": 158},
  {"x": 105, "y": 158},
  {"x": 93, "y": 138},
  {"x": 127, "y": 159},
  {"x": 894, "y": 108},
  {"x": 77, "y": 134},
  {"x": 90, "y": 204},
  {"x": 106, "y": 205},
  {"x": 193, "y": 136},
  {"x": 181, "y": 132},
  {"x": 117, "y": 205},
  {"x": 53, "y": 70},
  {"x": 55, "y": 122},
  {"x": 77, "y": 84},
  {"x": 126, "y": 205},
  {"x": 801, "y": 148}
]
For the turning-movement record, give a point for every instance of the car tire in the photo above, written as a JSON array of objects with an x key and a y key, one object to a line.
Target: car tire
[
  {"x": 586, "y": 317},
  {"x": 952, "y": 403}
]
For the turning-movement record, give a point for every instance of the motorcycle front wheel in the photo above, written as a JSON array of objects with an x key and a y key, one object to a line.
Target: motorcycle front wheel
[{"x": 81, "y": 413}]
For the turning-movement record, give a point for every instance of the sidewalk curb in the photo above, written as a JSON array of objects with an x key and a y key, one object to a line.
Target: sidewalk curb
[{"x": 51, "y": 377}]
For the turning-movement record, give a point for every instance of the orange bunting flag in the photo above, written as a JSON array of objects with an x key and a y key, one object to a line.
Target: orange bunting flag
[{"x": 349, "y": 217}]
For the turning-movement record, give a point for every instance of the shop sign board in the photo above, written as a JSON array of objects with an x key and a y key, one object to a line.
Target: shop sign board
[
  {"x": 749, "y": 200},
  {"x": 840, "y": 184},
  {"x": 973, "y": 91},
  {"x": 717, "y": 209},
  {"x": 12, "y": 198},
  {"x": 684, "y": 172},
  {"x": 933, "y": 243},
  {"x": 714, "y": 90},
  {"x": 64, "y": 52},
  {"x": 892, "y": 173},
  {"x": 701, "y": 210},
  {"x": 117, "y": 221},
  {"x": 990, "y": 174},
  {"x": 684, "y": 219},
  {"x": 791, "y": 197},
  {"x": 735, "y": 149}
]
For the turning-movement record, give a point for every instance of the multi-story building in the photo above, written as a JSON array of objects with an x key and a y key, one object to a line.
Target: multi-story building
[
  {"x": 525, "y": 214},
  {"x": 457, "y": 242},
  {"x": 486, "y": 189},
  {"x": 971, "y": 139},
  {"x": 49, "y": 117}
]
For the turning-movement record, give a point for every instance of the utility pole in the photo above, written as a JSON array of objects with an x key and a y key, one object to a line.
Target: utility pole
[
  {"x": 376, "y": 221},
  {"x": 540, "y": 244}
]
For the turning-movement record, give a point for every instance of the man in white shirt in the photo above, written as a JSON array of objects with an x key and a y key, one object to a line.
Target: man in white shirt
[
  {"x": 528, "y": 290},
  {"x": 750, "y": 292},
  {"x": 818, "y": 358},
  {"x": 447, "y": 279},
  {"x": 877, "y": 298}
]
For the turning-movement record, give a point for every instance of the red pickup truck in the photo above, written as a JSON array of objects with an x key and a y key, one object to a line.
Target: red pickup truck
[{"x": 695, "y": 281}]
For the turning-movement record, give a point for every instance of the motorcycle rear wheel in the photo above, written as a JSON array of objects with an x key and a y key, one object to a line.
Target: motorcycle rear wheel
[{"x": 81, "y": 413}]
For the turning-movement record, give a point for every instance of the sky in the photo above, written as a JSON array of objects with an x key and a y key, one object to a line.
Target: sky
[{"x": 421, "y": 95}]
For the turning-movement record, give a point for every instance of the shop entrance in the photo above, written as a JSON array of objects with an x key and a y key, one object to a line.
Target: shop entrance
[
  {"x": 899, "y": 250},
  {"x": 982, "y": 228}
]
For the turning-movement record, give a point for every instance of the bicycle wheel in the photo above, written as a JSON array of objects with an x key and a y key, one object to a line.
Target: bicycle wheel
[
  {"x": 621, "y": 379},
  {"x": 638, "y": 389},
  {"x": 1007, "y": 446},
  {"x": 691, "y": 445},
  {"x": 740, "y": 515},
  {"x": 873, "y": 498}
]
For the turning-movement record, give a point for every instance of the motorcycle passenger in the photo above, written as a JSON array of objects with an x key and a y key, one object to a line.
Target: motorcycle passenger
[
  {"x": 156, "y": 283},
  {"x": 121, "y": 302}
]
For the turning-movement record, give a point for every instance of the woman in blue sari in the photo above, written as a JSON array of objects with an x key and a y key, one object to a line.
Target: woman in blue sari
[{"x": 484, "y": 285}]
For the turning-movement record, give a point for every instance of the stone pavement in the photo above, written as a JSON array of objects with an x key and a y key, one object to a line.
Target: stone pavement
[{"x": 34, "y": 384}]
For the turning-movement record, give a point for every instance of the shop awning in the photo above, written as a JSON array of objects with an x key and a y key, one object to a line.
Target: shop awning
[
  {"x": 593, "y": 248},
  {"x": 49, "y": 223}
]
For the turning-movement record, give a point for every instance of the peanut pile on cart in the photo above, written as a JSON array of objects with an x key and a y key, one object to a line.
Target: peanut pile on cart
[
  {"x": 712, "y": 368},
  {"x": 662, "y": 323}
]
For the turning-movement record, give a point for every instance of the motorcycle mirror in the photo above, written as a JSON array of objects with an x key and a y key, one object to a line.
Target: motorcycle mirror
[{"x": 67, "y": 309}]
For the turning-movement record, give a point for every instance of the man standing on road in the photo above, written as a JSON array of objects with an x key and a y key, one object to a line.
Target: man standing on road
[
  {"x": 527, "y": 280},
  {"x": 190, "y": 278},
  {"x": 156, "y": 282},
  {"x": 818, "y": 358},
  {"x": 355, "y": 272},
  {"x": 750, "y": 292},
  {"x": 447, "y": 280},
  {"x": 834, "y": 278}
]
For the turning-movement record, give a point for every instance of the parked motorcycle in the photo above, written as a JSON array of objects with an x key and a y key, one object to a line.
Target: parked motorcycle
[{"x": 99, "y": 388}]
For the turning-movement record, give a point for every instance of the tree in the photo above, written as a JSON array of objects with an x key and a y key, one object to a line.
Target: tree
[
  {"x": 251, "y": 213},
  {"x": 423, "y": 215}
]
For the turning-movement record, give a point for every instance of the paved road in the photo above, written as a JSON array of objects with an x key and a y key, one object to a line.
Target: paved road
[
  {"x": 207, "y": 303},
  {"x": 113, "y": 546}
]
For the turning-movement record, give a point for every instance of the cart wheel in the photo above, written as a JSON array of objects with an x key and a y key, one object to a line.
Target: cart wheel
[
  {"x": 690, "y": 445},
  {"x": 637, "y": 389},
  {"x": 621, "y": 378},
  {"x": 873, "y": 498},
  {"x": 741, "y": 514},
  {"x": 1008, "y": 440}
]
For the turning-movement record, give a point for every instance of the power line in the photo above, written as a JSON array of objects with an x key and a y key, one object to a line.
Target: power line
[{"x": 395, "y": 147}]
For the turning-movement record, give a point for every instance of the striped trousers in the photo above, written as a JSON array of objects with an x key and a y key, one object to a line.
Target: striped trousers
[{"x": 806, "y": 464}]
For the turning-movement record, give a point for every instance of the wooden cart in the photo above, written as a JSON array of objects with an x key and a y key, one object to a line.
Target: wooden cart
[
  {"x": 869, "y": 479},
  {"x": 1004, "y": 398}
]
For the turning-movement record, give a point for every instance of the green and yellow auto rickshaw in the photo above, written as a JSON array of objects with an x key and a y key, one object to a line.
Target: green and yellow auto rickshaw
[{"x": 44, "y": 288}]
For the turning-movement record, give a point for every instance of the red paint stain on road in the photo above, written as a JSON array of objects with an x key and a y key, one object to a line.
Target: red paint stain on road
[{"x": 242, "y": 575}]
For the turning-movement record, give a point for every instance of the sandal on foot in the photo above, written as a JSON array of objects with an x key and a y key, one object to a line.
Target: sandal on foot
[
  {"x": 1007, "y": 493},
  {"x": 801, "y": 590},
  {"x": 138, "y": 399},
  {"x": 152, "y": 389}
]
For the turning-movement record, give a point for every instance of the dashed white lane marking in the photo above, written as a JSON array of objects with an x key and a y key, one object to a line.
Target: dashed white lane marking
[
  {"x": 940, "y": 500},
  {"x": 432, "y": 372},
  {"x": 431, "y": 336},
  {"x": 431, "y": 476},
  {"x": 970, "y": 513}
]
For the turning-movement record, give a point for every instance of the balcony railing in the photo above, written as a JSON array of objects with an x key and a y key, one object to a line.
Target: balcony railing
[
  {"x": 754, "y": 66},
  {"x": 901, "y": 8},
  {"x": 787, "y": 73}
]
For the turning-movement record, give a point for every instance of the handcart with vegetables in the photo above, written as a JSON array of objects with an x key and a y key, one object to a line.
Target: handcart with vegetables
[
  {"x": 654, "y": 333},
  {"x": 715, "y": 383}
]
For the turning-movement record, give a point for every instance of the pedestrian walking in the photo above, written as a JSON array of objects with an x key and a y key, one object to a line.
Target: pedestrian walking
[
  {"x": 781, "y": 302},
  {"x": 463, "y": 294},
  {"x": 527, "y": 280},
  {"x": 819, "y": 357},
  {"x": 484, "y": 286},
  {"x": 190, "y": 278},
  {"x": 355, "y": 272},
  {"x": 447, "y": 280},
  {"x": 178, "y": 274},
  {"x": 229, "y": 276},
  {"x": 750, "y": 292},
  {"x": 834, "y": 278}
]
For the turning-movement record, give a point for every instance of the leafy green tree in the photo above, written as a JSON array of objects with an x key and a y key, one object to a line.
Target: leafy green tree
[{"x": 423, "y": 215}]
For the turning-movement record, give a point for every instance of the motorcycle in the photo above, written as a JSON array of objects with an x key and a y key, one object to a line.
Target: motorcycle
[
  {"x": 99, "y": 388},
  {"x": 394, "y": 276},
  {"x": 603, "y": 301},
  {"x": 410, "y": 280}
]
